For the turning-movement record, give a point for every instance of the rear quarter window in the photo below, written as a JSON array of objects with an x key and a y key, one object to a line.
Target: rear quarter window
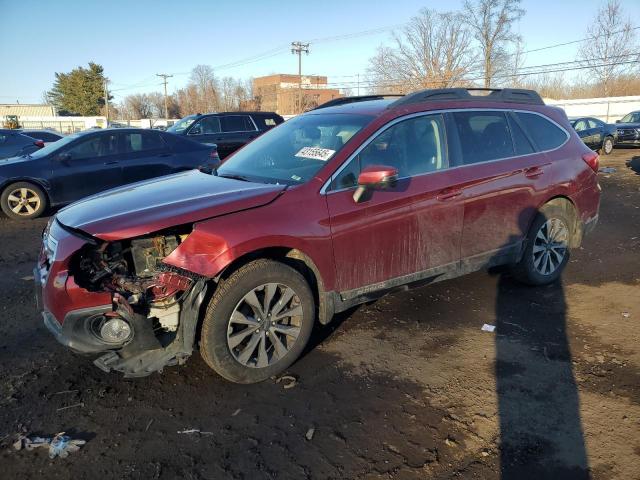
[{"x": 545, "y": 134}]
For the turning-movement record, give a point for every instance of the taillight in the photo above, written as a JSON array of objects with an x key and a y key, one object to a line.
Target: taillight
[
  {"x": 39, "y": 143},
  {"x": 592, "y": 159}
]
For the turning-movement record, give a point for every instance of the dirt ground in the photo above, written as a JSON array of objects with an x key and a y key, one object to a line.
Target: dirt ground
[{"x": 408, "y": 387}]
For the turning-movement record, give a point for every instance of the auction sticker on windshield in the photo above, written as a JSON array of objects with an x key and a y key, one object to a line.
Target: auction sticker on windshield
[{"x": 315, "y": 153}]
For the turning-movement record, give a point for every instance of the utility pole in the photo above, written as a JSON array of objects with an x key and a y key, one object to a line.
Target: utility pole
[
  {"x": 164, "y": 79},
  {"x": 106, "y": 99},
  {"x": 298, "y": 48}
]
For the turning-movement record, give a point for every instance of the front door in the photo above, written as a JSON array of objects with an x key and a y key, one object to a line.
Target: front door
[
  {"x": 88, "y": 166},
  {"x": 398, "y": 234}
]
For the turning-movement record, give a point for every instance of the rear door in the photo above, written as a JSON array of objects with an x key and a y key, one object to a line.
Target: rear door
[
  {"x": 596, "y": 133},
  {"x": 582, "y": 129},
  {"x": 236, "y": 131},
  {"x": 92, "y": 166},
  {"x": 504, "y": 180},
  {"x": 144, "y": 155},
  {"x": 404, "y": 230}
]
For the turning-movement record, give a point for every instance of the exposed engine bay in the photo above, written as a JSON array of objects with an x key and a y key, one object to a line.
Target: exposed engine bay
[{"x": 149, "y": 299}]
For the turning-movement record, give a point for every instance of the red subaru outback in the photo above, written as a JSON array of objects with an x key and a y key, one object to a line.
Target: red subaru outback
[{"x": 332, "y": 208}]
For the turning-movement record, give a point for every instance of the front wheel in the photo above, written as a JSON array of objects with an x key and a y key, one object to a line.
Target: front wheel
[
  {"x": 607, "y": 146},
  {"x": 23, "y": 200},
  {"x": 547, "y": 247},
  {"x": 258, "y": 322}
]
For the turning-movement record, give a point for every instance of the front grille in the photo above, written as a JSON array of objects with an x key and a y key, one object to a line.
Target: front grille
[{"x": 628, "y": 132}]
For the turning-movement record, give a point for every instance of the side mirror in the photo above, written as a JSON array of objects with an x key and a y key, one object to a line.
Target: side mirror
[
  {"x": 63, "y": 157},
  {"x": 375, "y": 177},
  {"x": 617, "y": 121},
  {"x": 197, "y": 130}
]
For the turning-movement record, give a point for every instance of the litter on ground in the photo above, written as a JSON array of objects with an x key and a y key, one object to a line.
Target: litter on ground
[{"x": 488, "y": 328}]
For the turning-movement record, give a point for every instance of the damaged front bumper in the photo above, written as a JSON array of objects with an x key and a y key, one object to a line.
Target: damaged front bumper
[{"x": 75, "y": 315}]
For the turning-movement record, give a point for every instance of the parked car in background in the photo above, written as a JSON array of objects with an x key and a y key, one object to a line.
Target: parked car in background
[
  {"x": 13, "y": 143},
  {"x": 228, "y": 130},
  {"x": 47, "y": 136},
  {"x": 91, "y": 161},
  {"x": 333, "y": 208},
  {"x": 629, "y": 129},
  {"x": 596, "y": 134}
]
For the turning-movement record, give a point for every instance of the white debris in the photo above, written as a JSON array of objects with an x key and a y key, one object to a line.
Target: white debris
[{"x": 488, "y": 328}]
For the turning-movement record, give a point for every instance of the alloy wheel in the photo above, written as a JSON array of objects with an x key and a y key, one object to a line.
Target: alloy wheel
[
  {"x": 608, "y": 146},
  {"x": 24, "y": 201},
  {"x": 265, "y": 325},
  {"x": 550, "y": 246}
]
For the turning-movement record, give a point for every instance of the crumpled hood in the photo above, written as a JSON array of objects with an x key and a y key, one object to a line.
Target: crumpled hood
[{"x": 152, "y": 205}]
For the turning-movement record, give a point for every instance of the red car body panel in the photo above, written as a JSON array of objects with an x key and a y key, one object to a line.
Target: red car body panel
[
  {"x": 425, "y": 222},
  {"x": 162, "y": 202}
]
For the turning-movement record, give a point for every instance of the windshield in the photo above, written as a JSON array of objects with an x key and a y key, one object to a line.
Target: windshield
[
  {"x": 631, "y": 118},
  {"x": 52, "y": 147},
  {"x": 294, "y": 151},
  {"x": 182, "y": 125}
]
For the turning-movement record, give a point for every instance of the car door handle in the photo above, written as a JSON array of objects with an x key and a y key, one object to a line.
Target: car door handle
[
  {"x": 448, "y": 193},
  {"x": 113, "y": 162},
  {"x": 165, "y": 154},
  {"x": 533, "y": 172}
]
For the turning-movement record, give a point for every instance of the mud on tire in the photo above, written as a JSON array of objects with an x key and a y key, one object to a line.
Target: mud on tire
[{"x": 246, "y": 319}]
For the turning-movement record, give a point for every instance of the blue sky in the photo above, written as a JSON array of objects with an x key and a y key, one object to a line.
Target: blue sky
[{"x": 134, "y": 40}]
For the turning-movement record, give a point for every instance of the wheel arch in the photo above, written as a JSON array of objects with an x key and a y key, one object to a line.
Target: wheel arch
[
  {"x": 569, "y": 206},
  {"x": 299, "y": 261},
  {"x": 43, "y": 185}
]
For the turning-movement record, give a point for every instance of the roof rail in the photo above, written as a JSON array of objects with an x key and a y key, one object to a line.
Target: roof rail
[
  {"x": 360, "y": 98},
  {"x": 507, "y": 95}
]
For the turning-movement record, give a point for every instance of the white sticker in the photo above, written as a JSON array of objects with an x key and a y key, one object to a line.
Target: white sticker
[{"x": 315, "y": 153}]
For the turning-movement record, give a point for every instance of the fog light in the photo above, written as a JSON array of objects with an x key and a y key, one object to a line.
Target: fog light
[{"x": 115, "y": 330}]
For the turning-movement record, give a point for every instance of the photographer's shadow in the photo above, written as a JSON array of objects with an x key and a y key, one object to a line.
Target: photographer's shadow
[{"x": 541, "y": 435}]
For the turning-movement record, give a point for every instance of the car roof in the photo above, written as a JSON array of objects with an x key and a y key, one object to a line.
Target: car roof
[{"x": 367, "y": 107}]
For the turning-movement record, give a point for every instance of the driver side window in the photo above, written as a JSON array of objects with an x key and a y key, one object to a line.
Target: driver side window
[
  {"x": 205, "y": 126},
  {"x": 415, "y": 146},
  {"x": 97, "y": 146}
]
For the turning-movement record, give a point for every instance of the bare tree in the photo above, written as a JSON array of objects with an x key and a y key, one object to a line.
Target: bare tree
[
  {"x": 138, "y": 106},
  {"x": 611, "y": 46},
  {"x": 433, "y": 50},
  {"x": 156, "y": 99},
  {"x": 203, "y": 78},
  {"x": 491, "y": 22}
]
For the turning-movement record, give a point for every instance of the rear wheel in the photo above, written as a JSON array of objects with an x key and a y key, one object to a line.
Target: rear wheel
[
  {"x": 258, "y": 322},
  {"x": 607, "y": 145},
  {"x": 23, "y": 200},
  {"x": 547, "y": 250}
]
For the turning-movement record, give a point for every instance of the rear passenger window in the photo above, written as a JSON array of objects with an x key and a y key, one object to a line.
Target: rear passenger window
[
  {"x": 137, "y": 142},
  {"x": 484, "y": 136},
  {"x": 546, "y": 135},
  {"x": 520, "y": 141},
  {"x": 237, "y": 123},
  {"x": 414, "y": 147}
]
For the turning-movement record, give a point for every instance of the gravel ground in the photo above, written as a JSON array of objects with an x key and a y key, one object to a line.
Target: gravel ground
[{"x": 407, "y": 387}]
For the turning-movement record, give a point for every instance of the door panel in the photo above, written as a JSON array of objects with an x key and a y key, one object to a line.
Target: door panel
[
  {"x": 408, "y": 229},
  {"x": 144, "y": 155},
  {"x": 93, "y": 167}
]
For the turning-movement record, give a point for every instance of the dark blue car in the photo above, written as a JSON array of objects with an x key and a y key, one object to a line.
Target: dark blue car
[
  {"x": 89, "y": 162},
  {"x": 14, "y": 143}
]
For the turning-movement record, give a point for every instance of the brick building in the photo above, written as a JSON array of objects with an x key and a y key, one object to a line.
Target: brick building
[{"x": 280, "y": 93}]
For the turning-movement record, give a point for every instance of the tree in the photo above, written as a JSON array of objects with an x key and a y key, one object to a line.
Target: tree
[
  {"x": 138, "y": 106},
  {"x": 491, "y": 22},
  {"x": 610, "y": 46},
  {"x": 432, "y": 51},
  {"x": 79, "y": 92}
]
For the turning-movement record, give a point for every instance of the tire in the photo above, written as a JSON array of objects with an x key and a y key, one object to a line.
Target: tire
[
  {"x": 533, "y": 268},
  {"x": 23, "y": 201},
  {"x": 232, "y": 325},
  {"x": 607, "y": 146}
]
